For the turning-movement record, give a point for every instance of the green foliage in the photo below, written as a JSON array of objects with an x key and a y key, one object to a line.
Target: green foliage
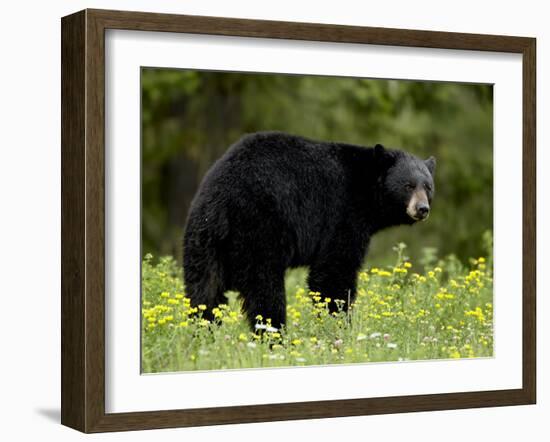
[
  {"x": 189, "y": 118},
  {"x": 443, "y": 312}
]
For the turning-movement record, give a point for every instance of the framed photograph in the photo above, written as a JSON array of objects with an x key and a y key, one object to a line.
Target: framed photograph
[{"x": 268, "y": 220}]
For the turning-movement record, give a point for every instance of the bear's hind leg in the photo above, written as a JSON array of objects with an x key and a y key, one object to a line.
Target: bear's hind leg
[
  {"x": 264, "y": 294},
  {"x": 202, "y": 293},
  {"x": 204, "y": 279},
  {"x": 337, "y": 282}
]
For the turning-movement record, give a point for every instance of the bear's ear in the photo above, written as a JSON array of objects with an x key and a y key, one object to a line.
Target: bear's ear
[
  {"x": 384, "y": 157},
  {"x": 430, "y": 164},
  {"x": 379, "y": 151}
]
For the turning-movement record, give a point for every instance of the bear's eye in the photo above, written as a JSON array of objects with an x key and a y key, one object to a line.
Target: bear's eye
[
  {"x": 410, "y": 186},
  {"x": 428, "y": 187}
]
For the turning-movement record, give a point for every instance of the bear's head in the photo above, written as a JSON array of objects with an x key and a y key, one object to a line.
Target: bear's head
[{"x": 407, "y": 185}]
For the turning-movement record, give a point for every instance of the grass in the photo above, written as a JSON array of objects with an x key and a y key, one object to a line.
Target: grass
[{"x": 442, "y": 311}]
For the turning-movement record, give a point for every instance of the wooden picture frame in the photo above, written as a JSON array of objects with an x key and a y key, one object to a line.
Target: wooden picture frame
[{"x": 83, "y": 220}]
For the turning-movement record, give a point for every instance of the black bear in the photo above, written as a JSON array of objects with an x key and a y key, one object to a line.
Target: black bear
[{"x": 275, "y": 201}]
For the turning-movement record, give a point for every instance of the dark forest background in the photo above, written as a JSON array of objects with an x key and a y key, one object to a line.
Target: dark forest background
[{"x": 189, "y": 119}]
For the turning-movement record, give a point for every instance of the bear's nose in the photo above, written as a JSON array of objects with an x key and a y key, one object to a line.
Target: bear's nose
[{"x": 422, "y": 210}]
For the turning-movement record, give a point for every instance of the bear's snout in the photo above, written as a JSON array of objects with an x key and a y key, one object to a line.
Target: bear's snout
[
  {"x": 418, "y": 207},
  {"x": 422, "y": 210}
]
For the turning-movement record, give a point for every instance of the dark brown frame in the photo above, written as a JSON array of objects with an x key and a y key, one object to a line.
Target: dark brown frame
[{"x": 83, "y": 217}]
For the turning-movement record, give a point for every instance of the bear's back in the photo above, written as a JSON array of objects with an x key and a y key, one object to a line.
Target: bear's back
[
  {"x": 279, "y": 182},
  {"x": 280, "y": 152},
  {"x": 275, "y": 162},
  {"x": 284, "y": 168}
]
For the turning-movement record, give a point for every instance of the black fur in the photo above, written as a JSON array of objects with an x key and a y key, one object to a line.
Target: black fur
[{"x": 275, "y": 201}]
